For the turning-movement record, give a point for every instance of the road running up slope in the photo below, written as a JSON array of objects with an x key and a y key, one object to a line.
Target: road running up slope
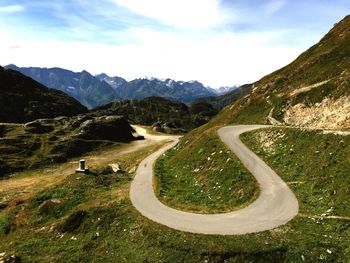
[{"x": 275, "y": 206}]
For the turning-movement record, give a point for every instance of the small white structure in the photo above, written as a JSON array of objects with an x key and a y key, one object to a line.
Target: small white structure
[
  {"x": 115, "y": 167},
  {"x": 81, "y": 168}
]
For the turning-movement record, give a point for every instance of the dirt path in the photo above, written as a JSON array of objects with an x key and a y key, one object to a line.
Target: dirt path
[{"x": 275, "y": 206}]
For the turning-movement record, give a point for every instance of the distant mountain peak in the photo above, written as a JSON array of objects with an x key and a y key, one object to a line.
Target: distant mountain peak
[
  {"x": 102, "y": 76},
  {"x": 11, "y": 66}
]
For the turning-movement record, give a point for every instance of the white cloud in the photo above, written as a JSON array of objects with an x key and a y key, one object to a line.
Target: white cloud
[
  {"x": 217, "y": 60},
  {"x": 11, "y": 9},
  {"x": 274, "y": 6},
  {"x": 179, "y": 13},
  {"x": 198, "y": 48}
]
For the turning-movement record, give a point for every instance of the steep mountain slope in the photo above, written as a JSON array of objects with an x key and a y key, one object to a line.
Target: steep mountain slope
[
  {"x": 164, "y": 115},
  {"x": 23, "y": 99},
  {"x": 84, "y": 87},
  {"x": 313, "y": 91}
]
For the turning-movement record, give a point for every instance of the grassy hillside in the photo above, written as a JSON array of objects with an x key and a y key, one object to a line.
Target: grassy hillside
[
  {"x": 90, "y": 219},
  {"x": 163, "y": 114},
  {"x": 317, "y": 172},
  {"x": 48, "y": 141},
  {"x": 201, "y": 175}
]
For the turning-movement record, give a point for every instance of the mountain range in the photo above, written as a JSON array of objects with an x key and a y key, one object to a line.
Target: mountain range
[
  {"x": 24, "y": 99},
  {"x": 93, "y": 91}
]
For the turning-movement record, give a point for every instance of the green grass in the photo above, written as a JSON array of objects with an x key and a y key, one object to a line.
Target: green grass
[
  {"x": 5, "y": 224},
  {"x": 111, "y": 230},
  {"x": 316, "y": 165},
  {"x": 203, "y": 176},
  {"x": 252, "y": 113},
  {"x": 24, "y": 148},
  {"x": 169, "y": 116}
]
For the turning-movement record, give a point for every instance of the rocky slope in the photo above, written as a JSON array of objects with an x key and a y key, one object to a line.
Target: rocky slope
[
  {"x": 313, "y": 91},
  {"x": 56, "y": 140},
  {"x": 23, "y": 99}
]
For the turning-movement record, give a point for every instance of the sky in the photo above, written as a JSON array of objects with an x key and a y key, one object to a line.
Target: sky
[{"x": 217, "y": 42}]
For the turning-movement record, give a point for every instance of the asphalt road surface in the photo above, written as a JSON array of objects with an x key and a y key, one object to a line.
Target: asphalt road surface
[{"x": 275, "y": 206}]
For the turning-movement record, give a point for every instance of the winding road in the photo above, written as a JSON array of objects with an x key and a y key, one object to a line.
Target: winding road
[{"x": 275, "y": 206}]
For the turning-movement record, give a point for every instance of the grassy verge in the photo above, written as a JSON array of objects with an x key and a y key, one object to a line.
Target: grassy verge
[
  {"x": 202, "y": 175},
  {"x": 316, "y": 167}
]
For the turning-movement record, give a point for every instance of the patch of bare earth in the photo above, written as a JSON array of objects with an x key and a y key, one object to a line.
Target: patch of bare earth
[
  {"x": 268, "y": 138},
  {"x": 328, "y": 114},
  {"x": 307, "y": 88}
]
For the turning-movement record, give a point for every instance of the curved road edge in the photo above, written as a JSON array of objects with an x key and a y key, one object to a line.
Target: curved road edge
[{"x": 275, "y": 206}]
